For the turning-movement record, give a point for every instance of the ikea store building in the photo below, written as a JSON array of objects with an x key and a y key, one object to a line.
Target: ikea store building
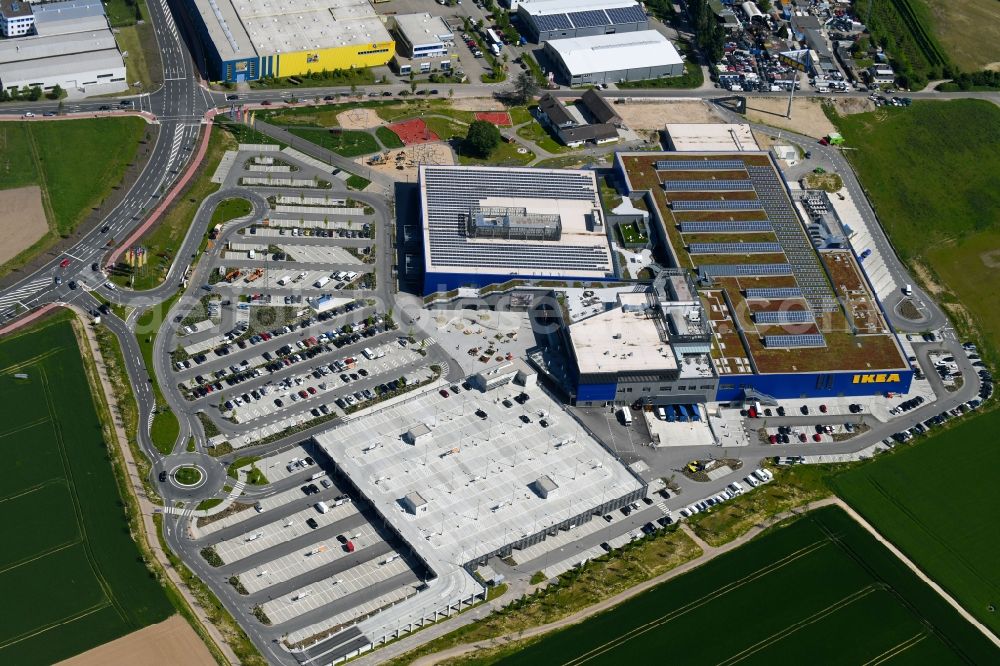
[{"x": 246, "y": 41}]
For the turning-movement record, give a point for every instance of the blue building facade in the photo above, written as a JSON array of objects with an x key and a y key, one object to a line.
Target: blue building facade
[{"x": 815, "y": 384}]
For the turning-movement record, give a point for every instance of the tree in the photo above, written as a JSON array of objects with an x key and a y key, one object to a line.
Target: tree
[
  {"x": 482, "y": 138},
  {"x": 525, "y": 87}
]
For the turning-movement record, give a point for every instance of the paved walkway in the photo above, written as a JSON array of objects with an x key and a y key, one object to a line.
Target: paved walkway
[{"x": 146, "y": 507}]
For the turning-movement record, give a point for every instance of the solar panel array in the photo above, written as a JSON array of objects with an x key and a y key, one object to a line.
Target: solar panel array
[
  {"x": 785, "y": 317},
  {"x": 451, "y": 192},
  {"x": 793, "y": 341},
  {"x": 589, "y": 19},
  {"x": 744, "y": 270},
  {"x": 700, "y": 165},
  {"x": 623, "y": 15},
  {"x": 707, "y": 185},
  {"x": 775, "y": 293},
  {"x": 798, "y": 248},
  {"x": 716, "y": 205},
  {"x": 724, "y": 227},
  {"x": 733, "y": 248},
  {"x": 547, "y": 22}
]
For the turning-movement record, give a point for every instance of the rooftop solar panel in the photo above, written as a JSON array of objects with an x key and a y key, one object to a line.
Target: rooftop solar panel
[
  {"x": 707, "y": 185},
  {"x": 743, "y": 270},
  {"x": 589, "y": 19},
  {"x": 791, "y": 341},
  {"x": 768, "y": 293},
  {"x": 724, "y": 227},
  {"x": 785, "y": 317},
  {"x": 699, "y": 165},
  {"x": 623, "y": 15},
  {"x": 547, "y": 22},
  {"x": 733, "y": 248},
  {"x": 716, "y": 205}
]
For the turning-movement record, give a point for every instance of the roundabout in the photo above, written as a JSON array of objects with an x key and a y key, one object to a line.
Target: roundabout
[{"x": 189, "y": 476}]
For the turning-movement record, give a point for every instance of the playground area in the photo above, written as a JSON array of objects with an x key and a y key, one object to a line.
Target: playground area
[
  {"x": 498, "y": 118},
  {"x": 413, "y": 132},
  {"x": 402, "y": 164},
  {"x": 359, "y": 119}
]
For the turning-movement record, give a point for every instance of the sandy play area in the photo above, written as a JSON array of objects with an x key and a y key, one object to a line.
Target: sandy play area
[
  {"x": 476, "y": 104},
  {"x": 654, "y": 115},
  {"x": 807, "y": 113},
  {"x": 22, "y": 220},
  {"x": 168, "y": 643},
  {"x": 359, "y": 119},
  {"x": 413, "y": 156}
]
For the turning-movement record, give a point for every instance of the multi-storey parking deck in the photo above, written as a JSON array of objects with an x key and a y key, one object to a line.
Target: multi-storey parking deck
[{"x": 787, "y": 319}]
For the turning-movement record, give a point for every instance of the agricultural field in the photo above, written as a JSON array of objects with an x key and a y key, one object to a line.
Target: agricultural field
[
  {"x": 850, "y": 594},
  {"x": 935, "y": 501},
  {"x": 969, "y": 31},
  {"x": 902, "y": 27},
  {"x": 72, "y": 577},
  {"x": 931, "y": 172},
  {"x": 79, "y": 179}
]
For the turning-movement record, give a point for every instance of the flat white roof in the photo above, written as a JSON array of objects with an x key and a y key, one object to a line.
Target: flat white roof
[
  {"x": 30, "y": 48},
  {"x": 698, "y": 137},
  {"x": 423, "y": 28},
  {"x": 618, "y": 341},
  {"x": 476, "y": 473},
  {"x": 544, "y": 7},
  {"x": 448, "y": 193},
  {"x": 65, "y": 66},
  {"x": 614, "y": 52},
  {"x": 245, "y": 28}
]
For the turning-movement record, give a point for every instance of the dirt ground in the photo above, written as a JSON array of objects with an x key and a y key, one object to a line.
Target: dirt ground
[
  {"x": 22, "y": 220},
  {"x": 654, "y": 115},
  {"x": 359, "y": 119},
  {"x": 420, "y": 153},
  {"x": 807, "y": 114},
  {"x": 170, "y": 642},
  {"x": 476, "y": 104}
]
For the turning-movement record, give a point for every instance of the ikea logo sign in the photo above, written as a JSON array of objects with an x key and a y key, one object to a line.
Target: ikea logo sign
[{"x": 876, "y": 378}]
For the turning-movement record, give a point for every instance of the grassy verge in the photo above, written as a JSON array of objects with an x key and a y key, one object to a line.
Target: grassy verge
[
  {"x": 214, "y": 610},
  {"x": 162, "y": 241},
  {"x": 142, "y": 64},
  {"x": 339, "y": 77},
  {"x": 504, "y": 154},
  {"x": 792, "y": 487},
  {"x": 240, "y": 462},
  {"x": 165, "y": 427},
  {"x": 357, "y": 182},
  {"x": 230, "y": 209},
  {"x": 691, "y": 78},
  {"x": 537, "y": 134},
  {"x": 209, "y": 503},
  {"x": 599, "y": 579},
  {"x": 388, "y": 138},
  {"x": 349, "y": 143}
]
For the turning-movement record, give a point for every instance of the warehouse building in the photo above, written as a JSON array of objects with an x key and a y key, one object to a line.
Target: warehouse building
[
  {"x": 280, "y": 38},
  {"x": 559, "y": 19},
  {"x": 610, "y": 58},
  {"x": 486, "y": 225},
  {"x": 73, "y": 48},
  {"x": 424, "y": 43},
  {"x": 701, "y": 137}
]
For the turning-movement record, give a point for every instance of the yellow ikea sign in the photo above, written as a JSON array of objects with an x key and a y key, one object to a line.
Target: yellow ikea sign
[{"x": 876, "y": 378}]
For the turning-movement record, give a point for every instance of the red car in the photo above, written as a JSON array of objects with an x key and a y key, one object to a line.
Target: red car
[
  {"x": 802, "y": 437},
  {"x": 349, "y": 546},
  {"x": 817, "y": 437},
  {"x": 64, "y": 263},
  {"x": 303, "y": 395},
  {"x": 444, "y": 394},
  {"x": 822, "y": 408},
  {"x": 311, "y": 390},
  {"x": 773, "y": 439}
]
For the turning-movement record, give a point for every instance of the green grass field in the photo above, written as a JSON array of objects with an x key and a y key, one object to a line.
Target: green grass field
[
  {"x": 931, "y": 171},
  {"x": 72, "y": 180},
  {"x": 348, "y": 143},
  {"x": 934, "y": 501},
  {"x": 969, "y": 30},
  {"x": 818, "y": 586},
  {"x": 71, "y": 575},
  {"x": 230, "y": 209},
  {"x": 388, "y": 138}
]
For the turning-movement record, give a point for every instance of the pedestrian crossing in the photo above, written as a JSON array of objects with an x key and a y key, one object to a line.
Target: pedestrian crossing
[{"x": 23, "y": 293}]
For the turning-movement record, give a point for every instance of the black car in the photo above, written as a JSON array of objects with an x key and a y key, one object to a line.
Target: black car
[
  {"x": 104, "y": 107},
  {"x": 163, "y": 477},
  {"x": 230, "y": 98},
  {"x": 524, "y": 418},
  {"x": 94, "y": 267},
  {"x": 311, "y": 522},
  {"x": 105, "y": 228}
]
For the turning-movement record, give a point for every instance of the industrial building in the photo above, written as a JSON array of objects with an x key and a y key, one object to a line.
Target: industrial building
[
  {"x": 610, "y": 58},
  {"x": 545, "y": 20},
  {"x": 16, "y": 18},
  {"x": 485, "y": 225},
  {"x": 424, "y": 43},
  {"x": 278, "y": 38},
  {"x": 72, "y": 47},
  {"x": 701, "y": 137},
  {"x": 794, "y": 316},
  {"x": 653, "y": 347}
]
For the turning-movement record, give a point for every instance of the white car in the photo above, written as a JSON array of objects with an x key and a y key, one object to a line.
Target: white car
[
  {"x": 752, "y": 481},
  {"x": 28, "y": 114}
]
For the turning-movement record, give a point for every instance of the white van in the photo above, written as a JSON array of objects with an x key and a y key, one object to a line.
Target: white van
[
  {"x": 626, "y": 415},
  {"x": 661, "y": 413},
  {"x": 284, "y": 279},
  {"x": 322, "y": 507},
  {"x": 908, "y": 289}
]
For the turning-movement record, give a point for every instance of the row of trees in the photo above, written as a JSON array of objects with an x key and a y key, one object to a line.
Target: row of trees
[
  {"x": 708, "y": 34},
  {"x": 25, "y": 94}
]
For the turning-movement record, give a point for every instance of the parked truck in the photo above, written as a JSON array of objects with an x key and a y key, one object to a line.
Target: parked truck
[
  {"x": 322, "y": 281},
  {"x": 284, "y": 279},
  {"x": 255, "y": 275}
]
